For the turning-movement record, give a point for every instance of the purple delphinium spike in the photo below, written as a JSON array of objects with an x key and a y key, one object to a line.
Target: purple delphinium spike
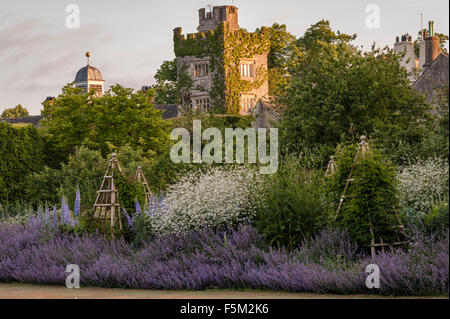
[
  {"x": 39, "y": 216},
  {"x": 129, "y": 220},
  {"x": 30, "y": 219},
  {"x": 55, "y": 217},
  {"x": 68, "y": 216},
  {"x": 76, "y": 209},
  {"x": 63, "y": 207},
  {"x": 138, "y": 208},
  {"x": 138, "y": 211},
  {"x": 46, "y": 215}
]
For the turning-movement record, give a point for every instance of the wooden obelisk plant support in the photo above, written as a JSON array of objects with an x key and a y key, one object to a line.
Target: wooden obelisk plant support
[
  {"x": 106, "y": 205},
  {"x": 140, "y": 178},
  {"x": 363, "y": 147}
]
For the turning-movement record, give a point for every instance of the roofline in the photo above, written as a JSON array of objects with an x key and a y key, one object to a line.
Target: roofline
[{"x": 426, "y": 70}]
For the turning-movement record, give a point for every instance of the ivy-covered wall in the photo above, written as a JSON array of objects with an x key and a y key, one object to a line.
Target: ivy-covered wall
[{"x": 226, "y": 48}]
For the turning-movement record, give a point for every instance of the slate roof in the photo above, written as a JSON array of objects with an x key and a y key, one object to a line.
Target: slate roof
[
  {"x": 35, "y": 120},
  {"x": 435, "y": 76},
  {"x": 169, "y": 110}
]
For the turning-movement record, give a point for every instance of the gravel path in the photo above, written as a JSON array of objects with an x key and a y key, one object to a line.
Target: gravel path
[{"x": 26, "y": 291}]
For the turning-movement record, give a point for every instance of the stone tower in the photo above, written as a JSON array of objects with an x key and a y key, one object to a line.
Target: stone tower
[
  {"x": 208, "y": 21},
  {"x": 225, "y": 66}
]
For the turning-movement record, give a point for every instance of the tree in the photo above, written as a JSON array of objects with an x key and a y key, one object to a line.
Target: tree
[
  {"x": 338, "y": 93},
  {"x": 282, "y": 46},
  {"x": 166, "y": 83},
  {"x": 16, "y": 112},
  {"x": 120, "y": 117}
]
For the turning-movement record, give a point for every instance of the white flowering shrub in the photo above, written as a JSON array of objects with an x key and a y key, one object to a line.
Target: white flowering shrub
[
  {"x": 424, "y": 184},
  {"x": 199, "y": 200}
]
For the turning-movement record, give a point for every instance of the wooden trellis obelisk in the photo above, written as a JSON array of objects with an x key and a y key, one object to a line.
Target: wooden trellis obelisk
[
  {"x": 363, "y": 147},
  {"x": 332, "y": 167},
  {"x": 106, "y": 205},
  {"x": 140, "y": 178}
]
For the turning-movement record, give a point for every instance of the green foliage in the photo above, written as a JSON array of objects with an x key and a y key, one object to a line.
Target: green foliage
[
  {"x": 130, "y": 192},
  {"x": 421, "y": 142},
  {"x": 141, "y": 231},
  {"x": 15, "y": 112},
  {"x": 84, "y": 169},
  {"x": 21, "y": 153},
  {"x": 437, "y": 221},
  {"x": 166, "y": 83},
  {"x": 17, "y": 211},
  {"x": 337, "y": 93},
  {"x": 120, "y": 117},
  {"x": 295, "y": 206},
  {"x": 371, "y": 199}
]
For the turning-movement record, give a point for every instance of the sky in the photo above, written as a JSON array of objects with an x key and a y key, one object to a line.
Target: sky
[{"x": 130, "y": 39}]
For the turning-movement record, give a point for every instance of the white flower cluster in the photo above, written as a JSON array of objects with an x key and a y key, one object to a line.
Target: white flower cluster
[
  {"x": 424, "y": 184},
  {"x": 218, "y": 197}
]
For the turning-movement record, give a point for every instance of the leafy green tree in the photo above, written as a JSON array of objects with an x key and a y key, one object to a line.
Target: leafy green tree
[
  {"x": 15, "y": 112},
  {"x": 120, "y": 117},
  {"x": 166, "y": 83},
  {"x": 338, "y": 93},
  {"x": 282, "y": 47}
]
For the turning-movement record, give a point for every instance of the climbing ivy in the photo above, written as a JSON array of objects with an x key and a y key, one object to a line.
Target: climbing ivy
[{"x": 225, "y": 49}]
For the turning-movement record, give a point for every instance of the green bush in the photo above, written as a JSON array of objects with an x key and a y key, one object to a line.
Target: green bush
[
  {"x": 295, "y": 206},
  {"x": 85, "y": 169},
  {"x": 21, "y": 153},
  {"x": 371, "y": 199},
  {"x": 437, "y": 221}
]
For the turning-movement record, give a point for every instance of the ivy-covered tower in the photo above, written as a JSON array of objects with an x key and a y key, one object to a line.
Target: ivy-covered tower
[{"x": 222, "y": 68}]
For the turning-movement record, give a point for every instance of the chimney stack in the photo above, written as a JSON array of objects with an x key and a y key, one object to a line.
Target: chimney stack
[{"x": 432, "y": 48}]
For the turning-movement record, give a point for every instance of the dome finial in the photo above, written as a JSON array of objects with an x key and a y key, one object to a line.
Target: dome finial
[{"x": 88, "y": 55}]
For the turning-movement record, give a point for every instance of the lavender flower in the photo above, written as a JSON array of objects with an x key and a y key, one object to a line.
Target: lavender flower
[{"x": 221, "y": 258}]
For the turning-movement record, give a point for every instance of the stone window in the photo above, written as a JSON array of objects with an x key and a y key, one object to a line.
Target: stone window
[
  {"x": 248, "y": 70},
  {"x": 202, "y": 104},
  {"x": 247, "y": 103},
  {"x": 201, "y": 70}
]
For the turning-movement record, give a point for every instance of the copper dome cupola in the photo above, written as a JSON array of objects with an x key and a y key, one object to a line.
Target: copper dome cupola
[{"x": 89, "y": 77}]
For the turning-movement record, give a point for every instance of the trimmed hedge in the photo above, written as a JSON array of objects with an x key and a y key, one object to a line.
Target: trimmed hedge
[{"x": 21, "y": 153}]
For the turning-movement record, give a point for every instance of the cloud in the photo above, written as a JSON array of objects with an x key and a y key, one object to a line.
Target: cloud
[{"x": 38, "y": 58}]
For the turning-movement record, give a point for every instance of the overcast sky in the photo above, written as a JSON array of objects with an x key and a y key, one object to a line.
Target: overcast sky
[{"x": 130, "y": 39}]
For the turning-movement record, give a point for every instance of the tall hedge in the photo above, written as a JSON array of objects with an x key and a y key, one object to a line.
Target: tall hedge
[{"x": 21, "y": 153}]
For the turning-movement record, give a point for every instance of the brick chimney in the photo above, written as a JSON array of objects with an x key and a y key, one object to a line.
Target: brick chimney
[{"x": 432, "y": 48}]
